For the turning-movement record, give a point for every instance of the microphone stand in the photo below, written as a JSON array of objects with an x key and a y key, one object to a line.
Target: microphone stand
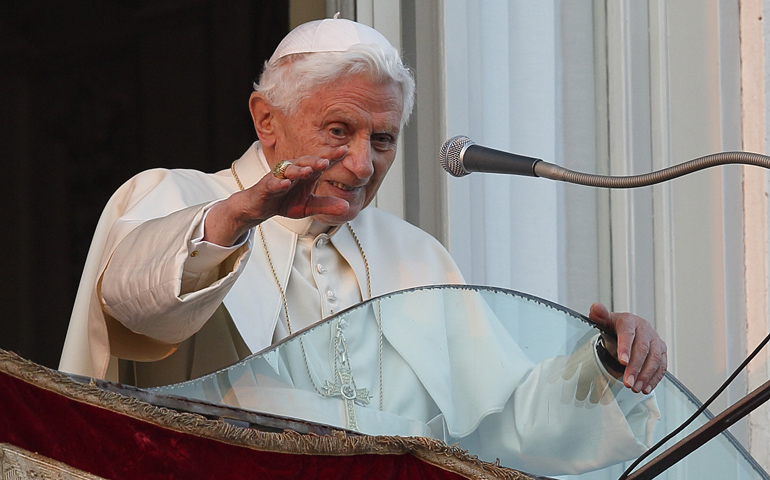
[
  {"x": 751, "y": 401},
  {"x": 451, "y": 158}
]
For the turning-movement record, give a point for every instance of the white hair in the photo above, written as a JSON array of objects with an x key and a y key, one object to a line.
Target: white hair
[{"x": 287, "y": 81}]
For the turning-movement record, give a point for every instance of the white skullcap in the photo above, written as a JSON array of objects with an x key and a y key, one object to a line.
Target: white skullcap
[{"x": 329, "y": 35}]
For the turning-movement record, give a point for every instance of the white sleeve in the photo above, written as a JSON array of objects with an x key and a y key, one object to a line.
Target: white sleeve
[
  {"x": 568, "y": 416},
  {"x": 562, "y": 414},
  {"x": 142, "y": 284},
  {"x": 202, "y": 267}
]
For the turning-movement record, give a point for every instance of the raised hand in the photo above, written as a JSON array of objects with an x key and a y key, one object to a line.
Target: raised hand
[{"x": 291, "y": 196}]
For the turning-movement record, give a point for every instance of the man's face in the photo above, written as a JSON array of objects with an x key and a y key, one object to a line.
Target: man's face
[{"x": 354, "y": 112}]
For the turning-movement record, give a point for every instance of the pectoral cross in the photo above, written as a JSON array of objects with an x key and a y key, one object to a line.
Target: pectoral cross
[{"x": 344, "y": 385}]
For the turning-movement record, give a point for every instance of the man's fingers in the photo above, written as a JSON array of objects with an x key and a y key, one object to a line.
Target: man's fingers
[
  {"x": 639, "y": 354},
  {"x": 626, "y": 331},
  {"x": 325, "y": 205},
  {"x": 322, "y": 161},
  {"x": 622, "y": 324},
  {"x": 305, "y": 168},
  {"x": 599, "y": 314},
  {"x": 648, "y": 360},
  {"x": 639, "y": 347},
  {"x": 338, "y": 154},
  {"x": 654, "y": 366},
  {"x": 659, "y": 374},
  {"x": 299, "y": 176}
]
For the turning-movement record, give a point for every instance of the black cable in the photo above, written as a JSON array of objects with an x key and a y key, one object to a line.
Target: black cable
[{"x": 697, "y": 412}]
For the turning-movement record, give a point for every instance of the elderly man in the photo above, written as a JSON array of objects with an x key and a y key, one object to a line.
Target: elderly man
[{"x": 189, "y": 272}]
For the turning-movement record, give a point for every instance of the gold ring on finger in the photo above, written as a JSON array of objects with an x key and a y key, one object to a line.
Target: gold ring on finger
[{"x": 280, "y": 169}]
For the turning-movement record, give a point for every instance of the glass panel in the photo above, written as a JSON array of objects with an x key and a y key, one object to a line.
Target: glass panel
[{"x": 503, "y": 374}]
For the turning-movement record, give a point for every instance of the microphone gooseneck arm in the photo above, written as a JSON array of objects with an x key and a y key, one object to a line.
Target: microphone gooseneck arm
[
  {"x": 555, "y": 172},
  {"x": 460, "y": 156}
]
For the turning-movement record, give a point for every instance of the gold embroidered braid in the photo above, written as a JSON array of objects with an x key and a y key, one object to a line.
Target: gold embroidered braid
[
  {"x": 275, "y": 277},
  {"x": 338, "y": 443},
  {"x": 235, "y": 176},
  {"x": 378, "y": 316}
]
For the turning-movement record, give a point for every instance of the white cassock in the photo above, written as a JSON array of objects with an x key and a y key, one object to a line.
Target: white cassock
[{"x": 163, "y": 284}]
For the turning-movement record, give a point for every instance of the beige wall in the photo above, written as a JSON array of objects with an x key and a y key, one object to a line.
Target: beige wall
[
  {"x": 755, "y": 190},
  {"x": 301, "y": 11}
]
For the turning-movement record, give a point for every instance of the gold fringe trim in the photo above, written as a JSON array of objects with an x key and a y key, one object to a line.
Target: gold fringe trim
[
  {"x": 19, "y": 464},
  {"x": 448, "y": 457}
]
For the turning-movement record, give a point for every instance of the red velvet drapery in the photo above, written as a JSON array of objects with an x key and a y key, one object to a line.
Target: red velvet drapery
[{"x": 122, "y": 438}]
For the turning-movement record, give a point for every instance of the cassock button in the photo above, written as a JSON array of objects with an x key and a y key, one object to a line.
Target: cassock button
[
  {"x": 331, "y": 296},
  {"x": 321, "y": 241},
  {"x": 320, "y": 269},
  {"x": 194, "y": 253}
]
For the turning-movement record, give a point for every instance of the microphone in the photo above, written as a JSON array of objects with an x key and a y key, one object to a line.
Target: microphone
[{"x": 460, "y": 156}]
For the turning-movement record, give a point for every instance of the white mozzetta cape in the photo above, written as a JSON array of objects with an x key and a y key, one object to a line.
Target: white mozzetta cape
[
  {"x": 153, "y": 215},
  {"x": 515, "y": 410}
]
